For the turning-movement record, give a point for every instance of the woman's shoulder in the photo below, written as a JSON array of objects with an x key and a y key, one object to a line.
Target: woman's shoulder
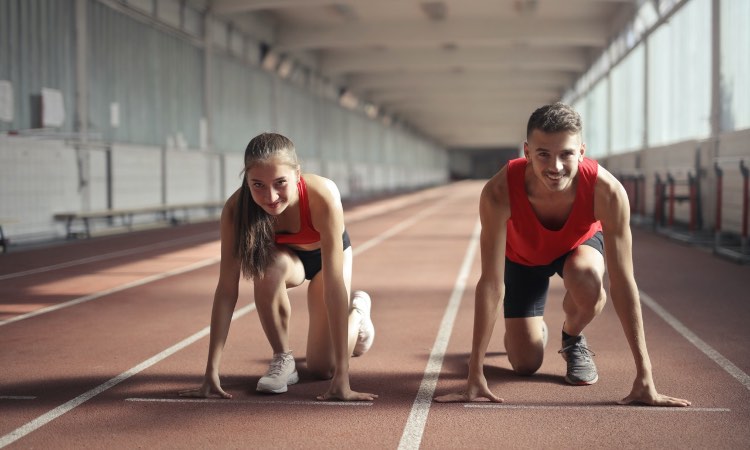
[
  {"x": 230, "y": 205},
  {"x": 321, "y": 187}
]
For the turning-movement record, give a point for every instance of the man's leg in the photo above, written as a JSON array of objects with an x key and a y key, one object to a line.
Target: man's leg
[
  {"x": 525, "y": 339},
  {"x": 523, "y": 307},
  {"x": 583, "y": 274}
]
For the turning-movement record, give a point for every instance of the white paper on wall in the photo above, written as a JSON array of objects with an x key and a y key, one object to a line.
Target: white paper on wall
[
  {"x": 114, "y": 114},
  {"x": 53, "y": 110}
]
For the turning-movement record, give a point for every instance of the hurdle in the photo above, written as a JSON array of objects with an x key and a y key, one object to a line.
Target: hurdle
[{"x": 724, "y": 245}]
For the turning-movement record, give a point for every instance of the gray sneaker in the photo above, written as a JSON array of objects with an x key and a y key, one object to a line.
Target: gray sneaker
[
  {"x": 581, "y": 368},
  {"x": 281, "y": 373}
]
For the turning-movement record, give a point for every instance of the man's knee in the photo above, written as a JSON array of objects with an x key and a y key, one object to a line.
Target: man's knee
[
  {"x": 526, "y": 366},
  {"x": 586, "y": 284},
  {"x": 526, "y": 358}
]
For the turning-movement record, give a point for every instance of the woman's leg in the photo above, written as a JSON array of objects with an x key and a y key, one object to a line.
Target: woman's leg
[
  {"x": 320, "y": 355},
  {"x": 272, "y": 301}
]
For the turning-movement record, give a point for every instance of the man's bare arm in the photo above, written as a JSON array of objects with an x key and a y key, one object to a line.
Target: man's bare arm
[
  {"x": 613, "y": 209},
  {"x": 494, "y": 212}
]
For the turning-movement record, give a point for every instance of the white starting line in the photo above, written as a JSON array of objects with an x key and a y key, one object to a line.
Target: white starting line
[
  {"x": 622, "y": 408},
  {"x": 225, "y": 401}
]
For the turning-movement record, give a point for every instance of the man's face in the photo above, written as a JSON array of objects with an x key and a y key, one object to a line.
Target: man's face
[{"x": 554, "y": 157}]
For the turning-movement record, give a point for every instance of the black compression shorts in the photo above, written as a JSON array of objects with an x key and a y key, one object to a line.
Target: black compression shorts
[
  {"x": 311, "y": 259},
  {"x": 526, "y": 286}
]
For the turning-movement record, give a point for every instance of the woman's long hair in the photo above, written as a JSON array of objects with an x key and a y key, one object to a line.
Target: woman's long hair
[{"x": 255, "y": 244}]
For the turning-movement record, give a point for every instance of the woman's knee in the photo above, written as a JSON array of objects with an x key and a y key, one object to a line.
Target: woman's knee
[
  {"x": 277, "y": 272},
  {"x": 320, "y": 369}
]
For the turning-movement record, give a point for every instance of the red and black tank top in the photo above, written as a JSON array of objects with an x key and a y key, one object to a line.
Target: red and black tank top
[
  {"x": 528, "y": 241},
  {"x": 307, "y": 234}
]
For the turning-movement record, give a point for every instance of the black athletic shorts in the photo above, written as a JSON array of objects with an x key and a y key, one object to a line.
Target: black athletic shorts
[
  {"x": 526, "y": 286},
  {"x": 311, "y": 259}
]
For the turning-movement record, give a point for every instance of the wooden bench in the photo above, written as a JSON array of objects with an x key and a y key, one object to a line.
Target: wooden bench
[{"x": 168, "y": 213}]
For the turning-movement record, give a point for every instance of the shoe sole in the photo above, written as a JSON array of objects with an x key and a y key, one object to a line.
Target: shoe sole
[
  {"x": 293, "y": 379},
  {"x": 581, "y": 382},
  {"x": 362, "y": 347}
]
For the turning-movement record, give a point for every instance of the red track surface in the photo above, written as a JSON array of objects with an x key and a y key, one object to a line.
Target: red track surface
[{"x": 409, "y": 252}]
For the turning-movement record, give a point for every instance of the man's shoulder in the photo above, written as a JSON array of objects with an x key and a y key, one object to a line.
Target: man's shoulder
[
  {"x": 495, "y": 192},
  {"x": 606, "y": 182}
]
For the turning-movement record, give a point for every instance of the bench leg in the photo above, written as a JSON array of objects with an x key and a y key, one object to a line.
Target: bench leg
[
  {"x": 69, "y": 228},
  {"x": 3, "y": 242}
]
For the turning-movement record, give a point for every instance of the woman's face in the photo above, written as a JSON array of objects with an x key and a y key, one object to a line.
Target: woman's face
[{"x": 273, "y": 185}]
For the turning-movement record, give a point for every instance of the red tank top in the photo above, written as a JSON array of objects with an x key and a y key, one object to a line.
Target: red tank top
[
  {"x": 528, "y": 241},
  {"x": 307, "y": 234}
]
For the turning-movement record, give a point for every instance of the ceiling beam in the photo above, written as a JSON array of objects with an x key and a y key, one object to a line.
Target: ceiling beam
[
  {"x": 430, "y": 96},
  {"x": 231, "y": 7},
  {"x": 460, "y": 32},
  {"x": 348, "y": 61},
  {"x": 472, "y": 80}
]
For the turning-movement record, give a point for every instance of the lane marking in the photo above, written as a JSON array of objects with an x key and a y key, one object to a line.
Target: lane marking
[
  {"x": 17, "y": 397},
  {"x": 359, "y": 249},
  {"x": 112, "y": 255},
  {"x": 709, "y": 351},
  {"x": 122, "y": 287},
  {"x": 70, "y": 405},
  {"x": 235, "y": 401},
  {"x": 397, "y": 228},
  {"x": 623, "y": 408},
  {"x": 414, "y": 428},
  {"x": 44, "y": 419}
]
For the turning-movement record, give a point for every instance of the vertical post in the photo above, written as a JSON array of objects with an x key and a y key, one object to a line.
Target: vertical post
[
  {"x": 82, "y": 104},
  {"x": 82, "y": 115},
  {"x": 208, "y": 77},
  {"x": 670, "y": 182},
  {"x": 659, "y": 202},
  {"x": 719, "y": 185},
  {"x": 693, "y": 189},
  {"x": 745, "y": 194},
  {"x": 641, "y": 182}
]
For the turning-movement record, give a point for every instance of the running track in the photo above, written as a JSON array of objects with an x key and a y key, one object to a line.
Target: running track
[{"x": 97, "y": 336}]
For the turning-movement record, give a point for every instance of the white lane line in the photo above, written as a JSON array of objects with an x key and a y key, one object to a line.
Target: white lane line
[
  {"x": 414, "y": 428},
  {"x": 44, "y": 419},
  {"x": 64, "y": 408},
  {"x": 709, "y": 351},
  {"x": 359, "y": 249},
  {"x": 622, "y": 408},
  {"x": 105, "y": 256},
  {"x": 17, "y": 397},
  {"x": 122, "y": 287},
  {"x": 397, "y": 228},
  {"x": 234, "y": 401}
]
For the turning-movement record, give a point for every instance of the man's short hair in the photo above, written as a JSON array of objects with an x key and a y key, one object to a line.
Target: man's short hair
[{"x": 555, "y": 118}]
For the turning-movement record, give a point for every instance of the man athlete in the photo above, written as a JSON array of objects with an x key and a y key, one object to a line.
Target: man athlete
[{"x": 555, "y": 211}]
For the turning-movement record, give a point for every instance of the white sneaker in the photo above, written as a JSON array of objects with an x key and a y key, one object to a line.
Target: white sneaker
[
  {"x": 362, "y": 303},
  {"x": 281, "y": 373}
]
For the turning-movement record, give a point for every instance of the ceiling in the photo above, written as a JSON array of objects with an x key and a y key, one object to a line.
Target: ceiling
[{"x": 465, "y": 73}]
